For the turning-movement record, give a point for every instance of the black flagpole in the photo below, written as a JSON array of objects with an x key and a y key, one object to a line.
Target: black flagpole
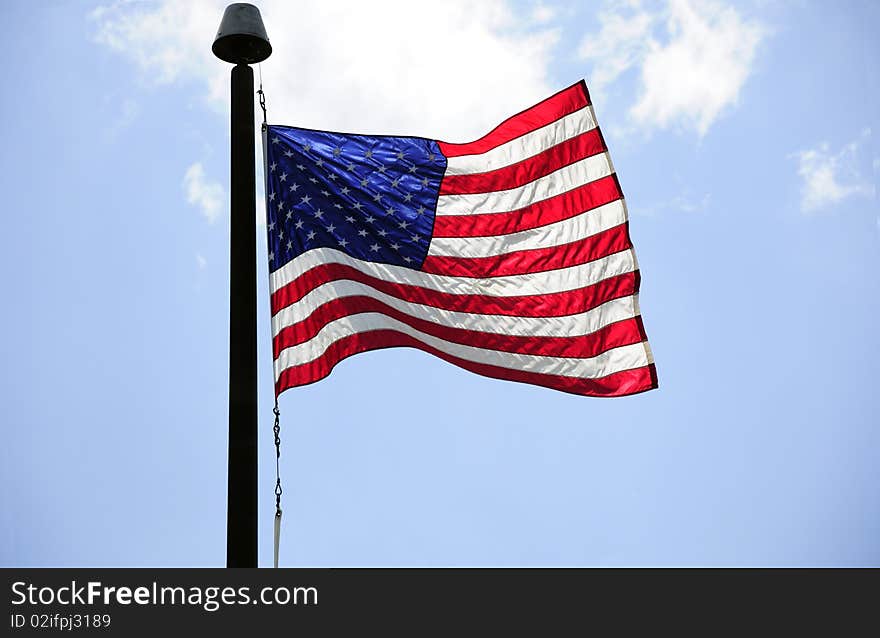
[{"x": 242, "y": 40}]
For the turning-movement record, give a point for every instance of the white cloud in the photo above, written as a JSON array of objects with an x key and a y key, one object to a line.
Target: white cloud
[
  {"x": 466, "y": 67},
  {"x": 829, "y": 178},
  {"x": 201, "y": 192},
  {"x": 176, "y": 27},
  {"x": 690, "y": 73},
  {"x": 621, "y": 42},
  {"x": 541, "y": 13}
]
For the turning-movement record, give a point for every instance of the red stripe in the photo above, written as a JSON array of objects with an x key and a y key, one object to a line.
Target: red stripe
[
  {"x": 520, "y": 262},
  {"x": 556, "y": 304},
  {"x": 620, "y": 333},
  {"x": 616, "y": 384},
  {"x": 527, "y": 170},
  {"x": 554, "y": 209},
  {"x": 566, "y": 101}
]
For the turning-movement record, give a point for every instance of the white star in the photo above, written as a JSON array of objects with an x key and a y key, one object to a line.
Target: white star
[
  {"x": 271, "y": 226},
  {"x": 288, "y": 153},
  {"x": 275, "y": 140},
  {"x": 362, "y": 232},
  {"x": 344, "y": 190},
  {"x": 289, "y": 214},
  {"x": 319, "y": 162},
  {"x": 395, "y": 246},
  {"x": 289, "y": 245},
  {"x": 305, "y": 200},
  {"x": 350, "y": 166},
  {"x": 389, "y": 210},
  {"x": 273, "y": 166},
  {"x": 364, "y": 182},
  {"x": 339, "y": 206},
  {"x": 311, "y": 235},
  {"x": 282, "y": 177},
  {"x": 349, "y": 219},
  {"x": 271, "y": 197},
  {"x": 333, "y": 176},
  {"x": 400, "y": 155},
  {"x": 294, "y": 188},
  {"x": 325, "y": 193},
  {"x": 357, "y": 205},
  {"x": 280, "y": 235},
  {"x": 299, "y": 224},
  {"x": 407, "y": 259},
  {"x": 313, "y": 180},
  {"x": 307, "y": 147},
  {"x": 370, "y": 219},
  {"x": 368, "y": 153},
  {"x": 331, "y": 228},
  {"x": 395, "y": 182},
  {"x": 403, "y": 224},
  {"x": 337, "y": 151},
  {"x": 382, "y": 168},
  {"x": 271, "y": 256},
  {"x": 407, "y": 197},
  {"x": 301, "y": 167},
  {"x": 424, "y": 181},
  {"x": 382, "y": 233},
  {"x": 343, "y": 242},
  {"x": 280, "y": 206},
  {"x": 414, "y": 238},
  {"x": 374, "y": 247},
  {"x": 413, "y": 168},
  {"x": 377, "y": 197},
  {"x": 319, "y": 214},
  {"x": 421, "y": 210},
  {"x": 431, "y": 157}
]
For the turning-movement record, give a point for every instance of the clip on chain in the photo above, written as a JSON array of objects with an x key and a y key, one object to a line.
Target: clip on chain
[
  {"x": 262, "y": 97},
  {"x": 277, "y": 431},
  {"x": 277, "y": 526}
]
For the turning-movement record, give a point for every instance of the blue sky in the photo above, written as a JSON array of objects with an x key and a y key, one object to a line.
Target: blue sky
[{"x": 743, "y": 137}]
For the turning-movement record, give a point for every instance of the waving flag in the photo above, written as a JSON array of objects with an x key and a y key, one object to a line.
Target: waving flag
[{"x": 509, "y": 256}]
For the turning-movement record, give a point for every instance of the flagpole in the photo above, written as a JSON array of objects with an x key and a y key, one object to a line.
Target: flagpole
[{"x": 242, "y": 40}]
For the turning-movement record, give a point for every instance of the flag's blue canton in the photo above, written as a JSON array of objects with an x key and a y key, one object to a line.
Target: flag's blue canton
[{"x": 373, "y": 197}]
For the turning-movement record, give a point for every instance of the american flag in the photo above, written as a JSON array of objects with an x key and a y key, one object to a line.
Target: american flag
[{"x": 509, "y": 256}]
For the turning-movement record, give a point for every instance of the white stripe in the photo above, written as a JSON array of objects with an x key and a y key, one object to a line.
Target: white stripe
[
  {"x": 614, "y": 360},
  {"x": 524, "y": 146},
  {"x": 538, "y": 283},
  {"x": 570, "y": 325},
  {"x": 565, "y": 231},
  {"x": 559, "y": 181}
]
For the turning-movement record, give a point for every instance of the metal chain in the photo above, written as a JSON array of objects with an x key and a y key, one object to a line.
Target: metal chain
[
  {"x": 277, "y": 431},
  {"x": 276, "y": 428}
]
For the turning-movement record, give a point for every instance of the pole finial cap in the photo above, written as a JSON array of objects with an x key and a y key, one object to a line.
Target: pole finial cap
[{"x": 241, "y": 38}]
